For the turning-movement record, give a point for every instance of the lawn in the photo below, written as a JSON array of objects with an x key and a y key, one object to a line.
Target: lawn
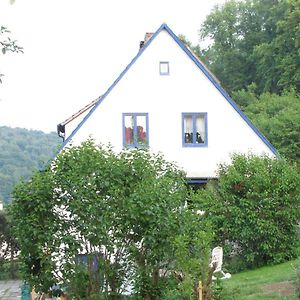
[{"x": 273, "y": 282}]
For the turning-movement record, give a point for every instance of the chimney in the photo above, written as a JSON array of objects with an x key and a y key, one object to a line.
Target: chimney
[{"x": 148, "y": 36}]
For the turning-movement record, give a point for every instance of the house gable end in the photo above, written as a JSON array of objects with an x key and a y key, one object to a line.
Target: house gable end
[{"x": 197, "y": 63}]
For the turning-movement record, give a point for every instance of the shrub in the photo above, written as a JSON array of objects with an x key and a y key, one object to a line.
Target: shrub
[
  {"x": 120, "y": 214},
  {"x": 254, "y": 207},
  {"x": 8, "y": 249}
]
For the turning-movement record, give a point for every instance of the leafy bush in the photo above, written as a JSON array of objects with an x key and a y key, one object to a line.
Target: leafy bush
[
  {"x": 9, "y": 270},
  {"x": 255, "y": 210},
  {"x": 122, "y": 211},
  {"x": 8, "y": 249}
]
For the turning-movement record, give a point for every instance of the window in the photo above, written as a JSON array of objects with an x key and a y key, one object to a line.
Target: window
[
  {"x": 164, "y": 68},
  {"x": 135, "y": 130},
  {"x": 194, "y": 129}
]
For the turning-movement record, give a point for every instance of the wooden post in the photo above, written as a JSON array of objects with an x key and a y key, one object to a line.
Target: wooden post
[
  {"x": 32, "y": 294},
  {"x": 200, "y": 290}
]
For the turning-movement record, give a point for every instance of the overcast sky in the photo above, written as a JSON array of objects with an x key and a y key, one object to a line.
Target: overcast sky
[{"x": 75, "y": 49}]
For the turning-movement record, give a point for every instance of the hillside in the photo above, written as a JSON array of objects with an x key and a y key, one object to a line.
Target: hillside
[{"x": 21, "y": 152}]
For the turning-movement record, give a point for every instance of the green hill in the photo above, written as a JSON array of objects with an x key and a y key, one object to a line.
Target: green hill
[{"x": 21, "y": 152}]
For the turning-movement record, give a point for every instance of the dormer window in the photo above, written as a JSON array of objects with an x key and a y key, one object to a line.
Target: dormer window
[
  {"x": 164, "y": 68},
  {"x": 135, "y": 130},
  {"x": 194, "y": 129}
]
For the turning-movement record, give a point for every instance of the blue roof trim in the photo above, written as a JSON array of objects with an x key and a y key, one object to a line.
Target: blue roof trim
[{"x": 200, "y": 66}]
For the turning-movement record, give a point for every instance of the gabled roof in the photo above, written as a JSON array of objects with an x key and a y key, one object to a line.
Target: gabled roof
[{"x": 197, "y": 62}]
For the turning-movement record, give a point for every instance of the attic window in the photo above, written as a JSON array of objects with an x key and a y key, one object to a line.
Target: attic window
[
  {"x": 164, "y": 68},
  {"x": 135, "y": 130},
  {"x": 194, "y": 129}
]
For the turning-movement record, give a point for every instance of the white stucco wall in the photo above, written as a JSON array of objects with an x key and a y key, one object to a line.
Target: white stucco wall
[{"x": 186, "y": 89}]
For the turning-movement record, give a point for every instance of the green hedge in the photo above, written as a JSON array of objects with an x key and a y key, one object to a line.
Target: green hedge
[{"x": 254, "y": 207}]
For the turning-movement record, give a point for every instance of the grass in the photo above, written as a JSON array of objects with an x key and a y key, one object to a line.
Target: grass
[{"x": 272, "y": 282}]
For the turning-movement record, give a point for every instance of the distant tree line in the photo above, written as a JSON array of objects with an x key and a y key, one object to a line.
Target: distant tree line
[
  {"x": 21, "y": 152},
  {"x": 254, "y": 41}
]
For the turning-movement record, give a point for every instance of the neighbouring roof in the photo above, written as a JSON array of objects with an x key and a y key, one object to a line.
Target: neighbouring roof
[{"x": 61, "y": 126}]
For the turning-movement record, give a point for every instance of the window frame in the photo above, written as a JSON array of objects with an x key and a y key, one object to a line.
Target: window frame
[
  {"x": 194, "y": 115},
  {"x": 135, "y": 143},
  {"x": 168, "y": 67}
]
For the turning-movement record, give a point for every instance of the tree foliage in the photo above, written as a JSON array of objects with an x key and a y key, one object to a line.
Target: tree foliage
[
  {"x": 255, "y": 209},
  {"x": 100, "y": 222},
  {"x": 8, "y": 247},
  {"x": 7, "y": 44},
  {"x": 21, "y": 152},
  {"x": 277, "y": 117},
  {"x": 254, "y": 41}
]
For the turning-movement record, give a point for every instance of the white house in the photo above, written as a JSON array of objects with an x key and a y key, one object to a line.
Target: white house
[{"x": 166, "y": 99}]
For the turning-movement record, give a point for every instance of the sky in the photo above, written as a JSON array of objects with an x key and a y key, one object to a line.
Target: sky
[{"x": 75, "y": 49}]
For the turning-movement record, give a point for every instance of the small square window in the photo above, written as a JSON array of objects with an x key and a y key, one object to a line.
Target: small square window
[
  {"x": 164, "y": 68},
  {"x": 194, "y": 129},
  {"x": 135, "y": 130}
]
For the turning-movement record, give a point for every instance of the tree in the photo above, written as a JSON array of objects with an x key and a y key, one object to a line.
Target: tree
[
  {"x": 8, "y": 246},
  {"x": 254, "y": 41},
  {"x": 7, "y": 44},
  {"x": 255, "y": 210},
  {"x": 101, "y": 221},
  {"x": 277, "y": 117}
]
